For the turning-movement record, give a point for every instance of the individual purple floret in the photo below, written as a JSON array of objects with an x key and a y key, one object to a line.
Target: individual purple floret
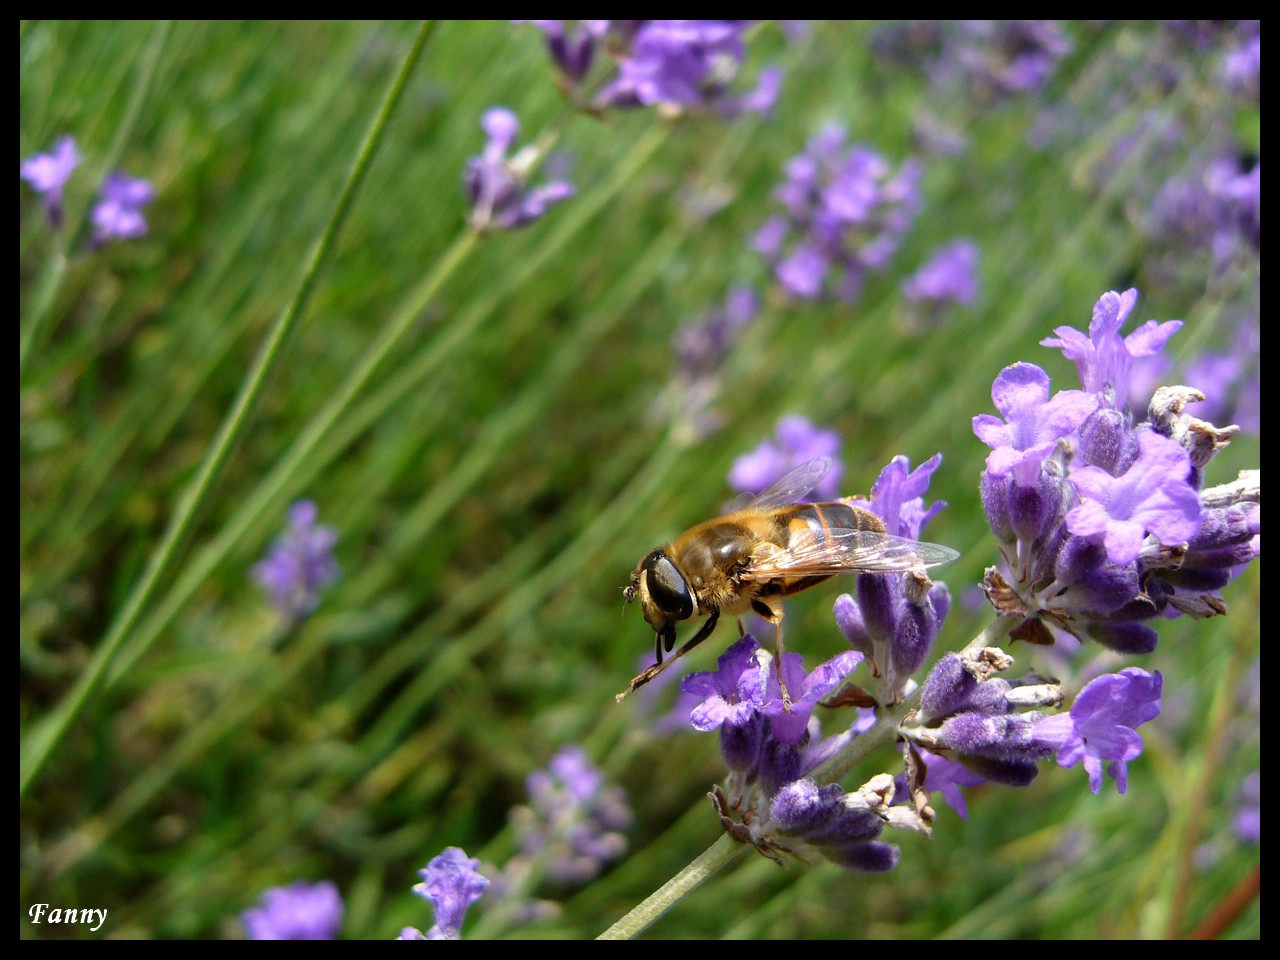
[
  {"x": 1152, "y": 497},
  {"x": 1103, "y": 358},
  {"x": 895, "y": 618},
  {"x": 846, "y": 212},
  {"x": 1034, "y": 422},
  {"x": 1102, "y": 725},
  {"x": 300, "y": 911},
  {"x": 299, "y": 564},
  {"x": 950, "y": 275},
  {"x": 48, "y": 173},
  {"x": 452, "y": 883},
  {"x": 118, "y": 215},
  {"x": 798, "y": 441},
  {"x": 496, "y": 182}
]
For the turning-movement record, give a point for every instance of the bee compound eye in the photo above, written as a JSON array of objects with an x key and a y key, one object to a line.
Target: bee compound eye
[{"x": 668, "y": 590}]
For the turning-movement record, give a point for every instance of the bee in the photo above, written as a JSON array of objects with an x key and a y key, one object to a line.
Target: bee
[{"x": 758, "y": 554}]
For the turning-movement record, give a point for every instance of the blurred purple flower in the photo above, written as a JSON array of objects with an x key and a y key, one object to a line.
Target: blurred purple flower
[
  {"x": 951, "y": 274},
  {"x": 300, "y": 911},
  {"x": 495, "y": 182},
  {"x": 452, "y": 883},
  {"x": 299, "y": 564},
  {"x": 118, "y": 215},
  {"x": 798, "y": 441},
  {"x": 846, "y": 214},
  {"x": 48, "y": 173}
]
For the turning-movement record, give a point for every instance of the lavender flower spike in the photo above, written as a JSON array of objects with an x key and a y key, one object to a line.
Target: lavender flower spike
[
  {"x": 798, "y": 441},
  {"x": 48, "y": 173},
  {"x": 299, "y": 565},
  {"x": 451, "y": 882},
  {"x": 495, "y": 182},
  {"x": 300, "y": 911}
]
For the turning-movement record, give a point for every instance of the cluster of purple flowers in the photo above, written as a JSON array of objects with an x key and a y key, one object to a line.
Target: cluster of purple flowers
[
  {"x": 1215, "y": 206},
  {"x": 985, "y": 60},
  {"x": 299, "y": 564},
  {"x": 675, "y": 65},
  {"x": 569, "y": 830},
  {"x": 496, "y": 180},
  {"x": 1104, "y": 522},
  {"x": 798, "y": 441},
  {"x": 846, "y": 212},
  {"x": 118, "y": 213},
  {"x": 573, "y": 824}
]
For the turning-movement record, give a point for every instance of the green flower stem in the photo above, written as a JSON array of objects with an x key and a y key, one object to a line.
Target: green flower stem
[
  {"x": 44, "y": 737},
  {"x": 719, "y": 854}
]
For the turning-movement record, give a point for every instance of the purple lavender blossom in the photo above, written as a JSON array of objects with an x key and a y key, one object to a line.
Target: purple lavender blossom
[
  {"x": 841, "y": 827},
  {"x": 1215, "y": 206},
  {"x": 1112, "y": 528},
  {"x": 895, "y": 618},
  {"x": 452, "y": 883},
  {"x": 1248, "y": 821},
  {"x": 1102, "y": 725},
  {"x": 48, "y": 173},
  {"x": 1152, "y": 496},
  {"x": 771, "y": 749},
  {"x": 846, "y": 214},
  {"x": 675, "y": 65},
  {"x": 1035, "y": 424},
  {"x": 1104, "y": 359},
  {"x": 299, "y": 564},
  {"x": 572, "y": 45},
  {"x": 679, "y": 65},
  {"x": 986, "y": 61},
  {"x": 573, "y": 821},
  {"x": 967, "y": 710},
  {"x": 1242, "y": 67},
  {"x": 118, "y": 215},
  {"x": 798, "y": 441},
  {"x": 300, "y": 911},
  {"x": 495, "y": 182},
  {"x": 951, "y": 274},
  {"x": 701, "y": 348}
]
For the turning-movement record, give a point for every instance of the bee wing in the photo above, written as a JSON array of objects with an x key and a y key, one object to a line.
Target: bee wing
[
  {"x": 842, "y": 550},
  {"x": 793, "y": 485}
]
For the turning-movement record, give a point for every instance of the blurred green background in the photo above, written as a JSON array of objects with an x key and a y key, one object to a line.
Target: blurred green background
[{"x": 507, "y": 464}]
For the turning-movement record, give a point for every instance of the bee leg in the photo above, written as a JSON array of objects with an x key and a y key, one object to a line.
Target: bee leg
[
  {"x": 661, "y": 665},
  {"x": 777, "y": 659},
  {"x": 775, "y": 617}
]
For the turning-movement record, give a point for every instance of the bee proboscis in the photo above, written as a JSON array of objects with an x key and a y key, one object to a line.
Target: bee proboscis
[{"x": 750, "y": 559}]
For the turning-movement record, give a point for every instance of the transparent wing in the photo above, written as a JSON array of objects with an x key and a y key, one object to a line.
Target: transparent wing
[
  {"x": 849, "y": 551},
  {"x": 793, "y": 485}
]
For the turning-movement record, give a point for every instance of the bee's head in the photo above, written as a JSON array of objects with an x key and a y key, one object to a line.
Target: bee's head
[{"x": 662, "y": 591}]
